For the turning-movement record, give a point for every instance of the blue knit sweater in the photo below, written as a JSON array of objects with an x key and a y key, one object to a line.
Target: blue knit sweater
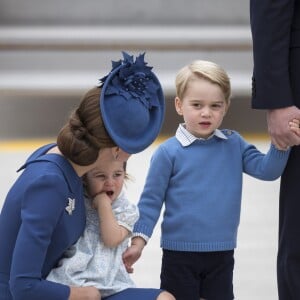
[{"x": 200, "y": 185}]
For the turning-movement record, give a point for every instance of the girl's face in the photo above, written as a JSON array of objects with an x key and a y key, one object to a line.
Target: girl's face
[
  {"x": 203, "y": 107},
  {"x": 107, "y": 177}
]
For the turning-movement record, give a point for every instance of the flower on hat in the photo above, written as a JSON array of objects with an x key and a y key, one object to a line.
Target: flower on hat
[{"x": 134, "y": 79}]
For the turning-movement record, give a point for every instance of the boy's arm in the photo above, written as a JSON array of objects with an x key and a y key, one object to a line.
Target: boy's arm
[{"x": 112, "y": 234}]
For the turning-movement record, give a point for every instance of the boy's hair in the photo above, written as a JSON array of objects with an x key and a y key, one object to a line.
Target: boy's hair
[{"x": 202, "y": 69}]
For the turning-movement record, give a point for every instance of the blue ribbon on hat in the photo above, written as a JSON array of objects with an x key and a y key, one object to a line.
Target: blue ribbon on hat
[{"x": 133, "y": 80}]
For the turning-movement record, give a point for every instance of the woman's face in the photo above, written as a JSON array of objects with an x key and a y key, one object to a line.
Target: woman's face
[
  {"x": 121, "y": 155},
  {"x": 114, "y": 153}
]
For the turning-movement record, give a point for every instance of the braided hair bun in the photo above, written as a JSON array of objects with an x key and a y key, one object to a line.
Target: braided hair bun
[{"x": 84, "y": 134}]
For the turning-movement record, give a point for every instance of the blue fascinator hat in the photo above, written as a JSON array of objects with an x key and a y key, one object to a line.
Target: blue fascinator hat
[{"x": 132, "y": 103}]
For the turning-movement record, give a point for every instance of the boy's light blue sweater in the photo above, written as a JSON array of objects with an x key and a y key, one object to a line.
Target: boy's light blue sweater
[{"x": 201, "y": 186}]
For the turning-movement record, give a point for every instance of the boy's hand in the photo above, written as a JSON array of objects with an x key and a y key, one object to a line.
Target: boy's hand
[
  {"x": 294, "y": 126},
  {"x": 133, "y": 253}
]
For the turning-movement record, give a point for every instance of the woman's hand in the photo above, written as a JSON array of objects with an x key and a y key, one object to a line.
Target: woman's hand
[{"x": 84, "y": 293}]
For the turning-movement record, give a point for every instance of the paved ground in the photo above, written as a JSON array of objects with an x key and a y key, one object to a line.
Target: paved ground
[{"x": 255, "y": 269}]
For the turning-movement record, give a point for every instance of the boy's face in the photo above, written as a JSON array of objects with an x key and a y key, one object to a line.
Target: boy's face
[
  {"x": 203, "y": 107},
  {"x": 107, "y": 177}
]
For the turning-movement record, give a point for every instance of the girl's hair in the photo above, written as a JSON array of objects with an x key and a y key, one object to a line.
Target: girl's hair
[
  {"x": 203, "y": 69},
  {"x": 84, "y": 134}
]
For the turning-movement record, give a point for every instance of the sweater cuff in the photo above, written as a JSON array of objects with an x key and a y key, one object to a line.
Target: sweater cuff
[
  {"x": 143, "y": 236},
  {"x": 281, "y": 152}
]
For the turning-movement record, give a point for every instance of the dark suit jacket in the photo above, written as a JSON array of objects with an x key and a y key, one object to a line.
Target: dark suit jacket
[{"x": 275, "y": 26}]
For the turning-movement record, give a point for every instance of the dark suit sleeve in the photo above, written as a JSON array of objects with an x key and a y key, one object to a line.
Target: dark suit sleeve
[{"x": 271, "y": 23}]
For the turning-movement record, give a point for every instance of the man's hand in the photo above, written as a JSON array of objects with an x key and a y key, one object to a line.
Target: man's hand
[{"x": 278, "y": 125}]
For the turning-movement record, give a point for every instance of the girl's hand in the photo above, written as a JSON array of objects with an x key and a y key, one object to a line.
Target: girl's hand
[{"x": 100, "y": 199}]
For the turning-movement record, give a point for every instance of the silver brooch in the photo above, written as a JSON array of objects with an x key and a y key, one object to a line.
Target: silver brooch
[{"x": 71, "y": 206}]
